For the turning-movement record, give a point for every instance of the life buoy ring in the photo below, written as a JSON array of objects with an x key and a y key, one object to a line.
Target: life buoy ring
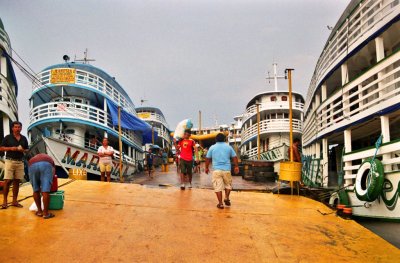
[{"x": 369, "y": 180}]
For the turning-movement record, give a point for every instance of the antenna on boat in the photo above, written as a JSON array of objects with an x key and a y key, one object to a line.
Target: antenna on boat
[
  {"x": 85, "y": 58},
  {"x": 142, "y": 101},
  {"x": 275, "y": 77}
]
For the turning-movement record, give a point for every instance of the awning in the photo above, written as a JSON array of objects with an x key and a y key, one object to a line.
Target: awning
[
  {"x": 128, "y": 120},
  {"x": 131, "y": 122}
]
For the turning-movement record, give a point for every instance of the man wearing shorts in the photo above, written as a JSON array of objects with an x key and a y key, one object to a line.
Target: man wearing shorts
[
  {"x": 105, "y": 152},
  {"x": 41, "y": 172},
  {"x": 220, "y": 154},
  {"x": 149, "y": 162},
  {"x": 15, "y": 145},
  {"x": 186, "y": 149}
]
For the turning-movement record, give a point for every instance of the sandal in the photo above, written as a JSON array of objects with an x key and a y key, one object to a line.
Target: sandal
[
  {"x": 39, "y": 214},
  {"x": 4, "y": 206},
  {"x": 220, "y": 206},
  {"x": 227, "y": 202},
  {"x": 17, "y": 205},
  {"x": 48, "y": 216}
]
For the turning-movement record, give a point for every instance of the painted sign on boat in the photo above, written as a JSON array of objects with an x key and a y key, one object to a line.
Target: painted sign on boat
[{"x": 62, "y": 75}]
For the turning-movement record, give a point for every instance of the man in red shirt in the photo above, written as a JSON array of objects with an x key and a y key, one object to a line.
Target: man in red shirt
[{"x": 186, "y": 149}]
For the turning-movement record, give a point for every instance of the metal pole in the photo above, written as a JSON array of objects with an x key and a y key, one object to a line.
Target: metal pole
[
  {"x": 258, "y": 130},
  {"x": 289, "y": 71},
  {"x": 121, "y": 179},
  {"x": 200, "y": 132}
]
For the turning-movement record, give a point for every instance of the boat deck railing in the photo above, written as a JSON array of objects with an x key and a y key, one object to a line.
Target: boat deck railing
[
  {"x": 5, "y": 41},
  {"x": 346, "y": 38},
  {"x": 371, "y": 92},
  {"x": 388, "y": 152},
  {"x": 273, "y": 105},
  {"x": 81, "y": 112},
  {"x": 91, "y": 81},
  {"x": 311, "y": 173},
  {"x": 271, "y": 126},
  {"x": 8, "y": 99}
]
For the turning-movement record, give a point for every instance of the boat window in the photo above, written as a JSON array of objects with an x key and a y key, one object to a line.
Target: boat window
[
  {"x": 284, "y": 98},
  {"x": 273, "y": 98},
  {"x": 69, "y": 131}
]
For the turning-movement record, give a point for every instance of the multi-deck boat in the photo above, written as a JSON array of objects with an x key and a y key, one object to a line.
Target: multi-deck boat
[
  {"x": 70, "y": 114},
  {"x": 273, "y": 108},
  {"x": 8, "y": 85},
  {"x": 155, "y": 118},
  {"x": 352, "y": 111}
]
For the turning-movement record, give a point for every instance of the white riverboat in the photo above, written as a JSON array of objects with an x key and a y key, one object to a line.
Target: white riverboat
[
  {"x": 8, "y": 89},
  {"x": 351, "y": 134},
  {"x": 70, "y": 113},
  {"x": 273, "y": 107},
  {"x": 155, "y": 118}
]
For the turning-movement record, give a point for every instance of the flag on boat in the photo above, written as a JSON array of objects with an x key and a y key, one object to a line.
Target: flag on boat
[{"x": 131, "y": 122}]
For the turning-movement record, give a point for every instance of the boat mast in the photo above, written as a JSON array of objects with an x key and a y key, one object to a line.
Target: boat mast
[{"x": 275, "y": 77}]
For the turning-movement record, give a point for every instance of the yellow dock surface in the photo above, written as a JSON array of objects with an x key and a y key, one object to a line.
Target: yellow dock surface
[{"x": 112, "y": 222}]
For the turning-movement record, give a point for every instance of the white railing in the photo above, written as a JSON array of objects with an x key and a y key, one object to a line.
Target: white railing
[
  {"x": 79, "y": 111},
  {"x": 272, "y": 106},
  {"x": 163, "y": 134},
  {"x": 390, "y": 161},
  {"x": 8, "y": 100},
  {"x": 373, "y": 91},
  {"x": 5, "y": 41},
  {"x": 252, "y": 153},
  {"x": 271, "y": 126},
  {"x": 350, "y": 34},
  {"x": 92, "y": 81}
]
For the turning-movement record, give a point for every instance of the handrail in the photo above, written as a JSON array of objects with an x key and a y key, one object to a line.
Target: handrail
[
  {"x": 271, "y": 106},
  {"x": 356, "y": 100},
  {"x": 5, "y": 39},
  {"x": 78, "y": 110},
  {"x": 271, "y": 126},
  {"x": 353, "y": 28},
  {"x": 92, "y": 81}
]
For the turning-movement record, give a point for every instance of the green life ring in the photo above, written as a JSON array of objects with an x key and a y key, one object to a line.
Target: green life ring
[{"x": 369, "y": 180}]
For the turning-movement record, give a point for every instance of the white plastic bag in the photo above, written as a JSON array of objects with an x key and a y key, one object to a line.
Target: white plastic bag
[
  {"x": 33, "y": 206},
  {"x": 186, "y": 124}
]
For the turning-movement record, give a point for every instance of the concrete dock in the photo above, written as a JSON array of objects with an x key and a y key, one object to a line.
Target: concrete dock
[{"x": 110, "y": 222}]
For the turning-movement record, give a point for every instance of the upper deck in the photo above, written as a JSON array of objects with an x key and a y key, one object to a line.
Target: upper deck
[
  {"x": 85, "y": 77},
  {"x": 360, "y": 22}
]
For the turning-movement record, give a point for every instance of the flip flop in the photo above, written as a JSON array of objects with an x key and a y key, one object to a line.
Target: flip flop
[
  {"x": 4, "y": 206},
  {"x": 39, "y": 214},
  {"x": 220, "y": 206},
  {"x": 48, "y": 216},
  {"x": 17, "y": 205},
  {"x": 227, "y": 202}
]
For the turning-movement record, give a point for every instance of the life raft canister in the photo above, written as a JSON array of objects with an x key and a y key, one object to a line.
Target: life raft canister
[{"x": 369, "y": 180}]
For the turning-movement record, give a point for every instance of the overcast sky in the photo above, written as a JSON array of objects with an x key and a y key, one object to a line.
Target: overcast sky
[{"x": 181, "y": 56}]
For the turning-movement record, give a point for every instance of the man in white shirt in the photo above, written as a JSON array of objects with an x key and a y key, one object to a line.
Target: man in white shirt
[{"x": 105, "y": 153}]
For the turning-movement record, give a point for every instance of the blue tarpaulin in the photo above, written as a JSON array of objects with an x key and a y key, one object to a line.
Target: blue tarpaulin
[
  {"x": 131, "y": 122},
  {"x": 147, "y": 137}
]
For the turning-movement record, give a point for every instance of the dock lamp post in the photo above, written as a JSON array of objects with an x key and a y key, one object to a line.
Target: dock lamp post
[{"x": 258, "y": 130}]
